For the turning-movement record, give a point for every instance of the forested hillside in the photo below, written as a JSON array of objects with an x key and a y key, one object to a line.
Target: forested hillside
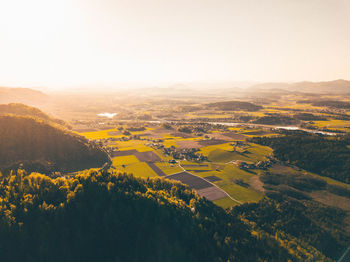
[
  {"x": 300, "y": 221},
  {"x": 40, "y": 146},
  {"x": 327, "y": 156},
  {"x": 103, "y": 216},
  {"x": 24, "y": 110}
]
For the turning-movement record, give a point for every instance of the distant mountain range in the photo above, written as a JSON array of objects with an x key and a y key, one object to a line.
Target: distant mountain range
[
  {"x": 22, "y": 95},
  {"x": 185, "y": 90},
  {"x": 335, "y": 87}
]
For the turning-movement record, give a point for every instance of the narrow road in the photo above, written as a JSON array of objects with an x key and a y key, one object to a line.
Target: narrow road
[{"x": 346, "y": 256}]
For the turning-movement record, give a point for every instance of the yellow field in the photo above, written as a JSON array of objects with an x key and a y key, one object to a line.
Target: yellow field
[
  {"x": 224, "y": 153},
  {"x": 206, "y": 150},
  {"x": 228, "y": 176},
  {"x": 124, "y": 160},
  {"x": 241, "y": 193},
  {"x": 333, "y": 124},
  {"x": 225, "y": 202},
  {"x": 102, "y": 134},
  {"x": 168, "y": 168},
  {"x": 140, "y": 169}
]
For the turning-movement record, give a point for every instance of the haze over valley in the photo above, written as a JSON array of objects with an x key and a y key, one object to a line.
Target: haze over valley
[{"x": 175, "y": 130}]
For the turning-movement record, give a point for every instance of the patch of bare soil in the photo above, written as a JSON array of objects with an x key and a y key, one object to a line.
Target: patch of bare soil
[
  {"x": 87, "y": 129},
  {"x": 331, "y": 199},
  {"x": 211, "y": 193},
  {"x": 148, "y": 156},
  {"x": 219, "y": 136},
  {"x": 115, "y": 133},
  {"x": 152, "y": 135},
  {"x": 106, "y": 127},
  {"x": 188, "y": 144},
  {"x": 255, "y": 183},
  {"x": 235, "y": 136},
  {"x": 156, "y": 169},
  {"x": 181, "y": 134},
  {"x": 211, "y": 142},
  {"x": 282, "y": 169},
  {"x": 161, "y": 131},
  {"x": 124, "y": 153}
]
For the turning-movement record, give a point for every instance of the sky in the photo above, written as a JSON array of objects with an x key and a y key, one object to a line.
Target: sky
[{"x": 65, "y": 43}]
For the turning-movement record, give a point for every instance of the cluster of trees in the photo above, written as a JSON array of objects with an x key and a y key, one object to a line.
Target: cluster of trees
[
  {"x": 332, "y": 103},
  {"x": 235, "y": 106},
  {"x": 327, "y": 103},
  {"x": 309, "y": 117},
  {"x": 41, "y": 146},
  {"x": 276, "y": 119},
  {"x": 197, "y": 127},
  {"x": 116, "y": 217},
  {"x": 184, "y": 153},
  {"x": 327, "y": 156},
  {"x": 305, "y": 221}
]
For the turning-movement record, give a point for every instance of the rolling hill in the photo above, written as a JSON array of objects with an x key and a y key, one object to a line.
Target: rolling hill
[
  {"x": 24, "y": 110},
  {"x": 339, "y": 86},
  {"x": 235, "y": 106},
  {"x": 41, "y": 146}
]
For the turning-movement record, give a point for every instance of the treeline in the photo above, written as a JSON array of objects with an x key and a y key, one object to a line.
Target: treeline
[
  {"x": 332, "y": 103},
  {"x": 40, "y": 146},
  {"x": 326, "y": 156},
  {"x": 327, "y": 103},
  {"x": 276, "y": 119},
  {"x": 279, "y": 119},
  {"x": 103, "y": 216},
  {"x": 235, "y": 106}
]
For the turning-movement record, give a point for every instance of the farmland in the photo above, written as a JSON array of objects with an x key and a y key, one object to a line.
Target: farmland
[
  {"x": 279, "y": 163},
  {"x": 224, "y": 182},
  {"x": 213, "y": 141}
]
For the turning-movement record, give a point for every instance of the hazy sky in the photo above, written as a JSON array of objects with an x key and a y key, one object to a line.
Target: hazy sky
[{"x": 71, "y": 42}]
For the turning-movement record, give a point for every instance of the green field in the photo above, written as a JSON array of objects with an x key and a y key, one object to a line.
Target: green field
[
  {"x": 224, "y": 153},
  {"x": 333, "y": 124},
  {"x": 225, "y": 202},
  {"x": 229, "y": 175}
]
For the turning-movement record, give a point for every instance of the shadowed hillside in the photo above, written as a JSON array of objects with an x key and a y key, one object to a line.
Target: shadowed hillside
[
  {"x": 24, "y": 110},
  {"x": 40, "y": 146}
]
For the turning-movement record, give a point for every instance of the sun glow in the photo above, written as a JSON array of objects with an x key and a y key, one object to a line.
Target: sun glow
[{"x": 71, "y": 42}]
